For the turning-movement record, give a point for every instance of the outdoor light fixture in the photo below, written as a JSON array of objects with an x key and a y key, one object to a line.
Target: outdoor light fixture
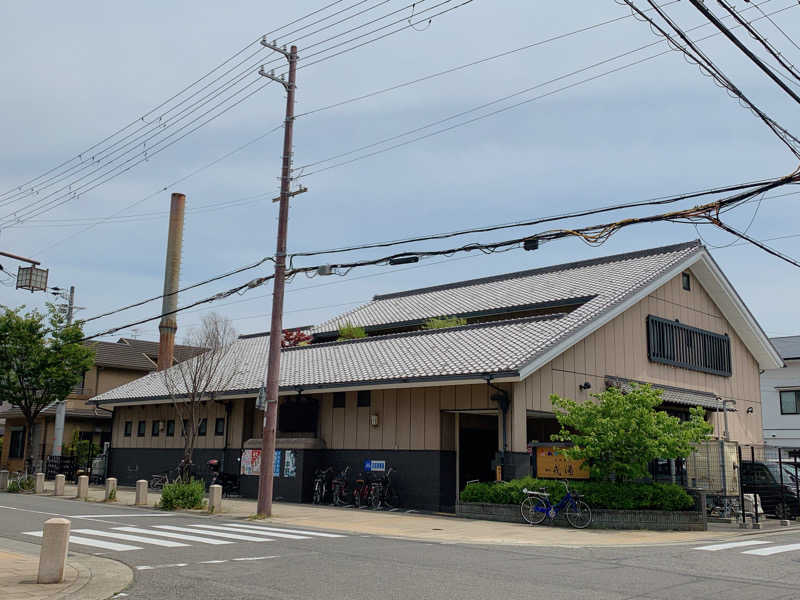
[
  {"x": 373, "y": 420},
  {"x": 585, "y": 386},
  {"x": 531, "y": 244},
  {"x": 32, "y": 279},
  {"x": 404, "y": 260},
  {"x": 749, "y": 410}
]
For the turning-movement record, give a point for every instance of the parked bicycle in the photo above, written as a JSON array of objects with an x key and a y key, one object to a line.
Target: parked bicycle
[
  {"x": 321, "y": 486},
  {"x": 340, "y": 491},
  {"x": 362, "y": 491},
  {"x": 159, "y": 480},
  {"x": 537, "y": 506},
  {"x": 382, "y": 493}
]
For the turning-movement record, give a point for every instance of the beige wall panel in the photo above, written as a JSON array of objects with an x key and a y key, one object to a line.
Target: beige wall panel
[
  {"x": 403, "y": 419},
  {"x": 547, "y": 388},
  {"x": 519, "y": 419},
  {"x": 463, "y": 397},
  {"x": 376, "y": 433},
  {"x": 350, "y": 420},
  {"x": 388, "y": 419},
  {"x": 362, "y": 427},
  {"x": 338, "y": 422},
  {"x": 417, "y": 441},
  {"x": 432, "y": 419},
  {"x": 326, "y": 418},
  {"x": 448, "y": 397}
]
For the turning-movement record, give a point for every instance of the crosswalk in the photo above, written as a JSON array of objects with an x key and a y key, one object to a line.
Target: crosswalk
[
  {"x": 762, "y": 547},
  {"x": 128, "y": 538}
]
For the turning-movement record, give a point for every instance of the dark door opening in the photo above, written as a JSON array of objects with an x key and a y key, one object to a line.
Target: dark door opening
[{"x": 477, "y": 447}]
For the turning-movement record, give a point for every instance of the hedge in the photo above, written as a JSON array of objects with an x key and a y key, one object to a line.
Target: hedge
[
  {"x": 182, "y": 495},
  {"x": 598, "y": 494}
]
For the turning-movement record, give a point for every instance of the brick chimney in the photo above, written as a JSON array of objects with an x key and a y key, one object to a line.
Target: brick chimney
[{"x": 172, "y": 272}]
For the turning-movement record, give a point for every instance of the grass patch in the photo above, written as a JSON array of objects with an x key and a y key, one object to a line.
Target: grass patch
[{"x": 182, "y": 495}]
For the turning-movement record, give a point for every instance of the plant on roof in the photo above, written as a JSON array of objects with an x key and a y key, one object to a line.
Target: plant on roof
[
  {"x": 350, "y": 332},
  {"x": 294, "y": 337},
  {"x": 443, "y": 322},
  {"x": 619, "y": 435},
  {"x": 41, "y": 360}
]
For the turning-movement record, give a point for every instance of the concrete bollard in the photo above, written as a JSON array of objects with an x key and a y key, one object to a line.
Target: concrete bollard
[
  {"x": 141, "y": 492},
  {"x": 3, "y": 480},
  {"x": 111, "y": 489},
  {"x": 38, "y": 486},
  {"x": 215, "y": 499},
  {"x": 83, "y": 487},
  {"x": 53, "y": 553},
  {"x": 59, "y": 486}
]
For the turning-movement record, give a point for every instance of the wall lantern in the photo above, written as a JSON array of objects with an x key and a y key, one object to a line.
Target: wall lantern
[
  {"x": 373, "y": 420},
  {"x": 585, "y": 386},
  {"x": 32, "y": 279}
]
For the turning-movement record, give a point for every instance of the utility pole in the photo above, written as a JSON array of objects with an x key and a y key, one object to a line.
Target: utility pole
[
  {"x": 61, "y": 407},
  {"x": 265, "y": 482}
]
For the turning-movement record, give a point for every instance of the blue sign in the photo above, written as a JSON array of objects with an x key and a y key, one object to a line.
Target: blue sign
[
  {"x": 367, "y": 466},
  {"x": 374, "y": 465},
  {"x": 276, "y": 465}
]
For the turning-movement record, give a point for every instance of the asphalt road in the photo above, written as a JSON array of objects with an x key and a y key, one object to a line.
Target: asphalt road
[{"x": 194, "y": 557}]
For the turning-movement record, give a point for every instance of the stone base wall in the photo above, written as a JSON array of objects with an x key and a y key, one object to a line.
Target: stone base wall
[{"x": 659, "y": 520}]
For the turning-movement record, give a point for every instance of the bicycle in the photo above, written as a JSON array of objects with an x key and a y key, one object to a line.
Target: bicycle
[
  {"x": 340, "y": 491},
  {"x": 537, "y": 506},
  {"x": 159, "y": 480},
  {"x": 382, "y": 494},
  {"x": 362, "y": 491},
  {"x": 321, "y": 485}
]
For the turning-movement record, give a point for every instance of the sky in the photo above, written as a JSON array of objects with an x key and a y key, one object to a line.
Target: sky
[{"x": 76, "y": 73}]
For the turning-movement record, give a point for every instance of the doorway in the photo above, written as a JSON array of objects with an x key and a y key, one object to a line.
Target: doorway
[{"x": 477, "y": 447}]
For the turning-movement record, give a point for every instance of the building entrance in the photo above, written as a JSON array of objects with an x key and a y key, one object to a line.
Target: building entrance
[{"x": 477, "y": 447}]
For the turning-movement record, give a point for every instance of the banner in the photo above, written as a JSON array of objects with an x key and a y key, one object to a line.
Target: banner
[{"x": 552, "y": 464}]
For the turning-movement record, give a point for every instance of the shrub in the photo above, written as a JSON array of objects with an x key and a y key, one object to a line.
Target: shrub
[
  {"x": 14, "y": 487},
  {"x": 182, "y": 495},
  {"x": 350, "y": 332},
  {"x": 598, "y": 494},
  {"x": 444, "y": 322}
]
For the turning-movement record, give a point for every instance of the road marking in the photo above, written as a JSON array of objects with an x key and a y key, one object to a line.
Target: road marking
[
  {"x": 131, "y": 538},
  {"x": 255, "y": 558},
  {"x": 297, "y": 531},
  {"x": 232, "y": 536},
  {"x": 76, "y": 539},
  {"x": 212, "y": 562},
  {"x": 147, "y": 568},
  {"x": 773, "y": 550},
  {"x": 246, "y": 529},
  {"x": 136, "y": 514},
  {"x": 177, "y": 536},
  {"x": 715, "y": 547}
]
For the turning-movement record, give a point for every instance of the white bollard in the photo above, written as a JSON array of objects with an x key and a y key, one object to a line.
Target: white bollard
[
  {"x": 53, "y": 553},
  {"x": 83, "y": 487},
  {"x": 59, "y": 485},
  {"x": 111, "y": 489},
  {"x": 141, "y": 492},
  {"x": 38, "y": 486},
  {"x": 3, "y": 480},
  {"x": 215, "y": 499}
]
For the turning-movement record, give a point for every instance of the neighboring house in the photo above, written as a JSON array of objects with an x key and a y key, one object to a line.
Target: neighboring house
[
  {"x": 428, "y": 402},
  {"x": 780, "y": 396},
  {"x": 116, "y": 363}
]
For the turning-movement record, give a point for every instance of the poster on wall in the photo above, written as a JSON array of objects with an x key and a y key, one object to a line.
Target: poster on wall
[
  {"x": 289, "y": 464},
  {"x": 276, "y": 464},
  {"x": 552, "y": 464},
  {"x": 251, "y": 462}
]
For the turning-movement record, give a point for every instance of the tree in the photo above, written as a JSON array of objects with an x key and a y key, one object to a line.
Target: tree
[
  {"x": 350, "y": 332},
  {"x": 294, "y": 337},
  {"x": 443, "y": 322},
  {"x": 195, "y": 381},
  {"x": 622, "y": 433},
  {"x": 41, "y": 360}
]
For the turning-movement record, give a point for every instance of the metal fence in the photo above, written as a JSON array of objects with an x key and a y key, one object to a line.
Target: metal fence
[{"x": 771, "y": 476}]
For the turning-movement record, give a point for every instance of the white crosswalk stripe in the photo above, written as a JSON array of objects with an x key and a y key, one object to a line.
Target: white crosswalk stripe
[
  {"x": 238, "y": 529},
  {"x": 773, "y": 550},
  {"x": 716, "y": 547},
  {"x": 231, "y": 536},
  {"x": 272, "y": 530},
  {"x": 175, "y": 536},
  {"x": 131, "y": 538},
  {"x": 76, "y": 539}
]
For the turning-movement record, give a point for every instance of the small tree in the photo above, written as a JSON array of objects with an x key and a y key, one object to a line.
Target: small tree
[
  {"x": 443, "y": 322},
  {"x": 350, "y": 332},
  {"x": 622, "y": 433},
  {"x": 193, "y": 382},
  {"x": 41, "y": 360},
  {"x": 294, "y": 337},
  {"x": 82, "y": 450}
]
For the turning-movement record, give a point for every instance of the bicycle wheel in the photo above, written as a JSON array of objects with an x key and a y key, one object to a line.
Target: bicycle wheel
[
  {"x": 533, "y": 510},
  {"x": 391, "y": 499},
  {"x": 578, "y": 514},
  {"x": 317, "y": 499}
]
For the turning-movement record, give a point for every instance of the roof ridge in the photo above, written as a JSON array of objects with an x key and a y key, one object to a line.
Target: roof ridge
[
  {"x": 541, "y": 270},
  {"x": 403, "y": 334}
]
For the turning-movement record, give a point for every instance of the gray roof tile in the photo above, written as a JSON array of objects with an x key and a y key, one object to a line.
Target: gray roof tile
[{"x": 788, "y": 347}]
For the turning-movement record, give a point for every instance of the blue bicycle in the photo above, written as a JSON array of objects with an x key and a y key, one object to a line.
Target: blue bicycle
[{"x": 537, "y": 506}]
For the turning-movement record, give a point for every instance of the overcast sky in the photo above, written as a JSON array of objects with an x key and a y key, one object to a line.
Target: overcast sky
[{"x": 74, "y": 73}]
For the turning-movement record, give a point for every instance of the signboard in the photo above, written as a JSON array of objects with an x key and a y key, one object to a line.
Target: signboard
[
  {"x": 289, "y": 464},
  {"x": 251, "y": 463},
  {"x": 552, "y": 464},
  {"x": 276, "y": 464},
  {"x": 374, "y": 465}
]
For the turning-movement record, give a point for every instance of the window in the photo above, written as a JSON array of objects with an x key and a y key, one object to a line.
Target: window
[
  {"x": 364, "y": 398},
  {"x": 339, "y": 399},
  {"x": 141, "y": 428},
  {"x": 298, "y": 414},
  {"x": 156, "y": 428},
  {"x": 790, "y": 402},
  {"x": 686, "y": 282},
  {"x": 128, "y": 428},
  {"x": 219, "y": 426},
  {"x": 171, "y": 428},
  {"x": 201, "y": 430},
  {"x": 16, "y": 446},
  {"x": 678, "y": 345}
]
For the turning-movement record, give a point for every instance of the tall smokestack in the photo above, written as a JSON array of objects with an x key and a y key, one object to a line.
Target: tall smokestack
[{"x": 172, "y": 272}]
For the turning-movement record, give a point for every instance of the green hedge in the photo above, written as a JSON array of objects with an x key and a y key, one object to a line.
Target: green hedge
[
  {"x": 598, "y": 494},
  {"x": 183, "y": 495}
]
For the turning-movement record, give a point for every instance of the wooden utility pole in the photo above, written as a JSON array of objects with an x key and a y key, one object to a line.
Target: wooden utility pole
[{"x": 265, "y": 483}]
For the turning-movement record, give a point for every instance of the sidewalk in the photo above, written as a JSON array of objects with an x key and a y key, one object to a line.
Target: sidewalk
[
  {"x": 85, "y": 577},
  {"x": 444, "y": 528}
]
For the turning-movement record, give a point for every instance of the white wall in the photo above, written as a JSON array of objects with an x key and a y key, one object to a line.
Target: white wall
[{"x": 780, "y": 430}]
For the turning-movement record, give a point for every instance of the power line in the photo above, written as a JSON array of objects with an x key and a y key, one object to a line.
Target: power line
[{"x": 791, "y": 41}]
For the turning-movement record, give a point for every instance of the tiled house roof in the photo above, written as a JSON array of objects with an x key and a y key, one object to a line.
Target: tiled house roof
[
  {"x": 151, "y": 349},
  {"x": 499, "y": 348},
  {"x": 121, "y": 356},
  {"x": 788, "y": 347}
]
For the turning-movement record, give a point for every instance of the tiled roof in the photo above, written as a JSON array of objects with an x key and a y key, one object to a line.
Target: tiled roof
[
  {"x": 602, "y": 277},
  {"x": 151, "y": 349},
  {"x": 788, "y": 347},
  {"x": 670, "y": 394},
  {"x": 89, "y": 412},
  {"x": 121, "y": 356},
  {"x": 499, "y": 348}
]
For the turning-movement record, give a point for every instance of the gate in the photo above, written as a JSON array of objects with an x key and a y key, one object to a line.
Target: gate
[{"x": 772, "y": 475}]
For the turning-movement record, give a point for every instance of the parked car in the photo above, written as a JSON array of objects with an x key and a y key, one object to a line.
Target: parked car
[{"x": 759, "y": 478}]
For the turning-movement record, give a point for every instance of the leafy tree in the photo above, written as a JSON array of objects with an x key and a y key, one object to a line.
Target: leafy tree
[
  {"x": 41, "y": 360},
  {"x": 623, "y": 432},
  {"x": 294, "y": 337},
  {"x": 350, "y": 332},
  {"x": 82, "y": 450},
  {"x": 444, "y": 322}
]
